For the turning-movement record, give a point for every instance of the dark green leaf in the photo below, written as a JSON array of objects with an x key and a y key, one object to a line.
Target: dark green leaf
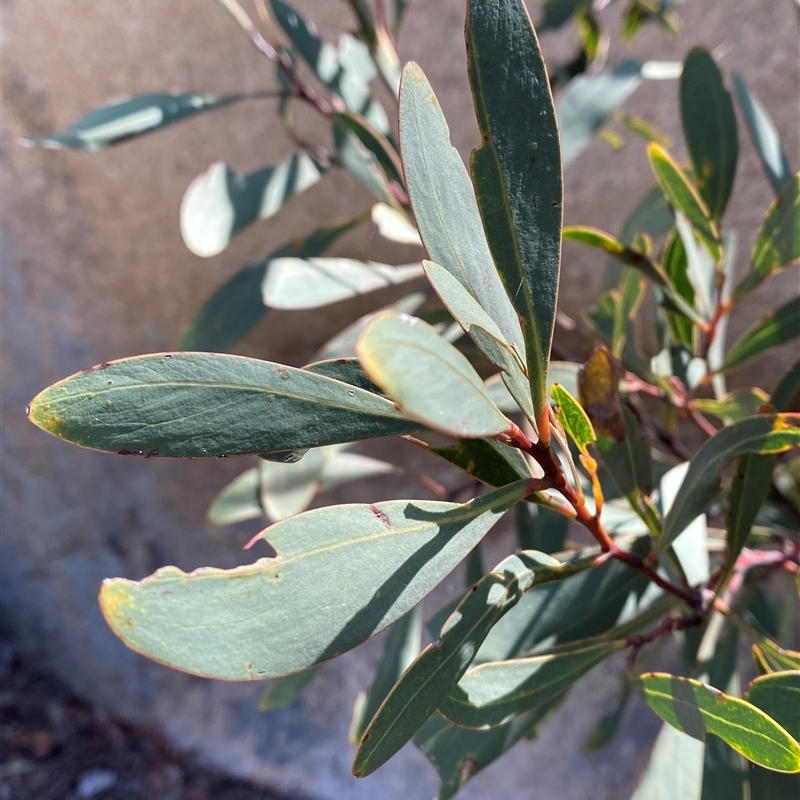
[
  {"x": 778, "y": 695},
  {"x": 780, "y": 326},
  {"x": 438, "y": 668},
  {"x": 556, "y": 12},
  {"x": 361, "y": 162},
  {"x": 786, "y": 395},
  {"x": 283, "y": 691},
  {"x": 540, "y": 528},
  {"x": 266, "y": 620},
  {"x": 234, "y": 309},
  {"x": 401, "y": 648},
  {"x": 765, "y": 136},
  {"x": 676, "y": 266},
  {"x": 709, "y": 125},
  {"x": 684, "y": 197},
  {"x": 347, "y": 370},
  {"x": 221, "y": 203},
  {"x": 444, "y": 203},
  {"x": 698, "y": 709},
  {"x": 517, "y": 172},
  {"x": 201, "y": 404},
  {"x": 493, "y": 693},
  {"x": 134, "y": 116},
  {"x": 778, "y": 242},
  {"x": 427, "y": 377},
  {"x": 764, "y": 434},
  {"x": 588, "y": 101},
  {"x": 488, "y": 460},
  {"x": 375, "y": 142}
]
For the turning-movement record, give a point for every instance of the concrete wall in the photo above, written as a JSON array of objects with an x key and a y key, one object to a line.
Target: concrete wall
[{"x": 93, "y": 268}]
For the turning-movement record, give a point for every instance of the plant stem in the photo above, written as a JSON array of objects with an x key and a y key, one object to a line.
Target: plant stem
[{"x": 669, "y": 625}]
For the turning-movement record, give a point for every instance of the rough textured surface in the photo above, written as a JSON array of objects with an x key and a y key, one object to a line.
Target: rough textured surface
[{"x": 93, "y": 268}]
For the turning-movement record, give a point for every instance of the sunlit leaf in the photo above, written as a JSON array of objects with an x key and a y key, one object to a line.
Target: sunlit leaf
[
  {"x": 428, "y": 377},
  {"x": 519, "y": 159},
  {"x": 134, "y": 116},
  {"x": 265, "y": 619},
  {"x": 672, "y": 748},
  {"x": 574, "y": 419},
  {"x": 394, "y": 225},
  {"x": 203, "y": 404},
  {"x": 734, "y": 406},
  {"x": 220, "y": 203},
  {"x": 488, "y": 460},
  {"x": 375, "y": 142},
  {"x": 698, "y": 709},
  {"x": 361, "y": 162}
]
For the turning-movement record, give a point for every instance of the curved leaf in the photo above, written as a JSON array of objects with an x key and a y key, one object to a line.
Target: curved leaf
[
  {"x": 298, "y": 283},
  {"x": 782, "y": 325},
  {"x": 202, "y": 404},
  {"x": 275, "y": 617},
  {"x": 133, "y": 116},
  {"x": 698, "y": 709},
  {"x": 786, "y": 395},
  {"x": 735, "y": 406},
  {"x": 238, "y": 501},
  {"x": 444, "y": 202},
  {"x": 361, "y": 162},
  {"x": 765, "y": 136},
  {"x": 220, "y": 203},
  {"x": 283, "y": 691},
  {"x": 488, "y": 460},
  {"x": 438, "y": 668},
  {"x": 494, "y": 693},
  {"x": 672, "y": 749},
  {"x": 394, "y": 225},
  {"x": 778, "y": 695},
  {"x": 763, "y": 434},
  {"x": 428, "y": 377},
  {"x": 375, "y": 142},
  {"x": 709, "y": 125},
  {"x": 574, "y": 419},
  {"x": 517, "y": 172}
]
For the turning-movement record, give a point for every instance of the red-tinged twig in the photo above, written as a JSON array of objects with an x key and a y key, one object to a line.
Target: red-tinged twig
[{"x": 669, "y": 625}]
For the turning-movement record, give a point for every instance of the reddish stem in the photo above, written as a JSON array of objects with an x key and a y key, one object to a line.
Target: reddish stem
[{"x": 669, "y": 625}]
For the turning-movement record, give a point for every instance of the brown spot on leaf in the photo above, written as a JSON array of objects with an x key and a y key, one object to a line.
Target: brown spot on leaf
[{"x": 380, "y": 516}]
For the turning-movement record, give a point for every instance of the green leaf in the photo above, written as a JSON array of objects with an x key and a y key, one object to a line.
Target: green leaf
[
  {"x": 765, "y": 136},
  {"x": 375, "y": 142},
  {"x": 589, "y": 100},
  {"x": 709, "y": 125},
  {"x": 778, "y": 327},
  {"x": 299, "y": 283},
  {"x": 283, "y": 691},
  {"x": 488, "y": 337},
  {"x": 778, "y": 243},
  {"x": 428, "y": 377},
  {"x": 609, "y": 723},
  {"x": 444, "y": 203},
  {"x": 540, "y": 528},
  {"x": 676, "y": 266},
  {"x": 133, "y": 116},
  {"x": 346, "y": 72},
  {"x": 786, "y": 394},
  {"x": 394, "y": 225},
  {"x": 347, "y": 370},
  {"x": 574, "y": 419},
  {"x": 681, "y": 758},
  {"x": 734, "y": 406},
  {"x": 494, "y": 693},
  {"x": 778, "y": 696},
  {"x": 203, "y": 404},
  {"x": 221, "y": 203},
  {"x": 271, "y": 618},
  {"x": 556, "y": 12},
  {"x": 698, "y": 709},
  {"x": 517, "y": 172},
  {"x": 361, "y": 162},
  {"x": 401, "y": 648},
  {"x": 767, "y": 434},
  {"x": 748, "y": 491},
  {"x": 438, "y": 668},
  {"x": 488, "y": 460},
  {"x": 684, "y": 197},
  {"x": 235, "y": 308}
]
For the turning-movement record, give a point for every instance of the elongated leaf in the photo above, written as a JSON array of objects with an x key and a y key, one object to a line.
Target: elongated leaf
[
  {"x": 786, "y": 395},
  {"x": 484, "y": 332},
  {"x": 676, "y": 266},
  {"x": 134, "y": 116},
  {"x": 778, "y": 243},
  {"x": 272, "y": 618},
  {"x": 698, "y": 709},
  {"x": 298, "y": 283},
  {"x": 709, "y": 125},
  {"x": 288, "y": 489},
  {"x": 428, "y": 377},
  {"x": 778, "y": 695},
  {"x": 361, "y": 162},
  {"x": 346, "y": 72},
  {"x": 238, "y": 501},
  {"x": 401, "y": 648},
  {"x": 201, "y": 404},
  {"x": 488, "y": 460},
  {"x": 221, "y": 203},
  {"x": 684, "y": 197},
  {"x": 517, "y": 172},
  {"x": 764, "y": 434},
  {"x": 394, "y": 225},
  {"x": 438, "y": 668},
  {"x": 735, "y": 406},
  {"x": 283, "y": 691},
  {"x": 235, "y": 308},
  {"x": 672, "y": 749},
  {"x": 574, "y": 419},
  {"x": 539, "y": 528},
  {"x": 444, "y": 202},
  {"x": 556, "y": 12},
  {"x": 748, "y": 491},
  {"x": 765, "y": 136},
  {"x": 780, "y": 326},
  {"x": 589, "y": 100},
  {"x": 346, "y": 370},
  {"x": 493, "y": 693}
]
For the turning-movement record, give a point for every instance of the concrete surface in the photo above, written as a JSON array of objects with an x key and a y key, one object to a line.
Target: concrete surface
[{"x": 93, "y": 268}]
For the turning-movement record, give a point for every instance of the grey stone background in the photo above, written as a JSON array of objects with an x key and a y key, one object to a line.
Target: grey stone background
[{"x": 93, "y": 268}]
